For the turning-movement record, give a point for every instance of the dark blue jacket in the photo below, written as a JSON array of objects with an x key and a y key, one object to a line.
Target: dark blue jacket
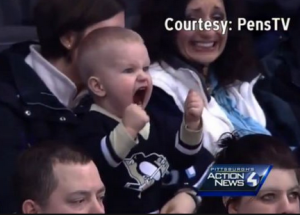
[
  {"x": 163, "y": 104},
  {"x": 279, "y": 95},
  {"x": 29, "y": 113},
  {"x": 279, "y": 92}
]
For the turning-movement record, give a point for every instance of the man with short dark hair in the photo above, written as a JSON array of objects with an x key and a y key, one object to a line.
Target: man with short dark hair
[{"x": 58, "y": 178}]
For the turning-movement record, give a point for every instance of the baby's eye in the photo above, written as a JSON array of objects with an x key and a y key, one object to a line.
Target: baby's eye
[
  {"x": 146, "y": 69},
  {"x": 128, "y": 70}
]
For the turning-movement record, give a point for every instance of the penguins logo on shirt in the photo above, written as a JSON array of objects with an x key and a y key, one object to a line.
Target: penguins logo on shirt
[{"x": 145, "y": 170}]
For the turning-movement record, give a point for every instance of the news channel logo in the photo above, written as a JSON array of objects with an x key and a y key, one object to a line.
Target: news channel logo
[{"x": 234, "y": 180}]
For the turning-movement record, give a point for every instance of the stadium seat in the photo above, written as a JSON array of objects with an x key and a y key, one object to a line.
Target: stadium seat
[
  {"x": 16, "y": 22},
  {"x": 15, "y": 34},
  {"x": 11, "y": 11},
  {"x": 1, "y": 17},
  {"x": 27, "y": 11}
]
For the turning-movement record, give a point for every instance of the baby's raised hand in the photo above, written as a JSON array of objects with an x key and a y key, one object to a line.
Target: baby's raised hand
[
  {"x": 193, "y": 109},
  {"x": 134, "y": 119}
]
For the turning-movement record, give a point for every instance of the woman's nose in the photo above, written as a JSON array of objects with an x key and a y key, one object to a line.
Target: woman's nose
[{"x": 285, "y": 206}]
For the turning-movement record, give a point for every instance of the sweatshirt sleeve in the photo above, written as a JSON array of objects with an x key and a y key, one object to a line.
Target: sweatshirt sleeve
[
  {"x": 108, "y": 147},
  {"x": 189, "y": 141},
  {"x": 184, "y": 148},
  {"x": 181, "y": 145},
  {"x": 117, "y": 145}
]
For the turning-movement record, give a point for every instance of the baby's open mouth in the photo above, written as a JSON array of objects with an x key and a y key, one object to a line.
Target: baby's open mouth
[{"x": 139, "y": 96}]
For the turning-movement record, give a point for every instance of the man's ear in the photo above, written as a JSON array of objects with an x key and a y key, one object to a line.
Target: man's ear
[
  {"x": 230, "y": 205},
  {"x": 69, "y": 39},
  {"x": 96, "y": 86},
  {"x": 30, "y": 207}
]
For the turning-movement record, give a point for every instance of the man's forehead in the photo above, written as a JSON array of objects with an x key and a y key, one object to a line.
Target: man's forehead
[
  {"x": 66, "y": 169},
  {"x": 77, "y": 176},
  {"x": 87, "y": 192}
]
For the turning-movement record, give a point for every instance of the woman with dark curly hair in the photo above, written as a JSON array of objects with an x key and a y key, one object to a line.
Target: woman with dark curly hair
[{"x": 220, "y": 66}]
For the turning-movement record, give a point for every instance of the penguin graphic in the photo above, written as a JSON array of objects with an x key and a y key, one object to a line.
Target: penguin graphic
[{"x": 145, "y": 170}]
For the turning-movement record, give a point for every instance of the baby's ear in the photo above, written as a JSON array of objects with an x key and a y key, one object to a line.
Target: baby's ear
[{"x": 95, "y": 85}]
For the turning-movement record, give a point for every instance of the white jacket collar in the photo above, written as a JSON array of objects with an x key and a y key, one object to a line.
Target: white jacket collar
[{"x": 59, "y": 84}]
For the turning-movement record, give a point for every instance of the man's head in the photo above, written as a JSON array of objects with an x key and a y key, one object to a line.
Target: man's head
[
  {"x": 114, "y": 63},
  {"x": 58, "y": 178}
]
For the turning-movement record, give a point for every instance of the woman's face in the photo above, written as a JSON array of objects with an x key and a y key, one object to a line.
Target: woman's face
[
  {"x": 279, "y": 194},
  {"x": 205, "y": 46}
]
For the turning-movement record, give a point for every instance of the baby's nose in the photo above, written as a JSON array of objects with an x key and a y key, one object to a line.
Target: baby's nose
[{"x": 143, "y": 76}]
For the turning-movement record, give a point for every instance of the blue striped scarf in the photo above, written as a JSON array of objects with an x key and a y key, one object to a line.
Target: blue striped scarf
[{"x": 243, "y": 125}]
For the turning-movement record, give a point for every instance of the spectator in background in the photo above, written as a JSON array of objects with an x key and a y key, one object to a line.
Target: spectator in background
[
  {"x": 280, "y": 192},
  {"x": 279, "y": 92},
  {"x": 182, "y": 62},
  {"x": 221, "y": 67},
  {"x": 41, "y": 92},
  {"x": 58, "y": 178}
]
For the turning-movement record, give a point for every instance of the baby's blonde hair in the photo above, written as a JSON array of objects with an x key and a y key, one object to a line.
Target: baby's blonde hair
[{"x": 93, "y": 44}]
